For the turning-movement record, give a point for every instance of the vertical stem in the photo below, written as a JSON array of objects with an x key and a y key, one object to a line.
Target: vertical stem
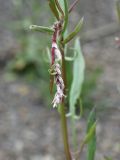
[
  {"x": 74, "y": 137},
  {"x": 65, "y": 132},
  {"x": 63, "y": 69},
  {"x": 62, "y": 111}
]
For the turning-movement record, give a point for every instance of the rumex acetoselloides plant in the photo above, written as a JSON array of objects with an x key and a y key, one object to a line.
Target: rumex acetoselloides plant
[{"x": 58, "y": 71}]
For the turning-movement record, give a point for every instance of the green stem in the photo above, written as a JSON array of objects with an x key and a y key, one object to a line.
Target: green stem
[
  {"x": 62, "y": 109},
  {"x": 74, "y": 137},
  {"x": 63, "y": 69},
  {"x": 65, "y": 132}
]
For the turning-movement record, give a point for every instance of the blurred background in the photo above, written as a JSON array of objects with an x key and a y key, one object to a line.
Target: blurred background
[{"x": 29, "y": 128}]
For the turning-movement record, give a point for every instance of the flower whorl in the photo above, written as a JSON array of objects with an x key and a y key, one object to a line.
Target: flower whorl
[
  {"x": 56, "y": 57},
  {"x": 60, "y": 86}
]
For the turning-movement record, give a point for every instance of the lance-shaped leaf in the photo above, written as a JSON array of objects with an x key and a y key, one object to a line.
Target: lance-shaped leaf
[
  {"x": 78, "y": 77},
  {"x": 118, "y": 9},
  {"x": 53, "y": 8},
  {"x": 91, "y": 146},
  {"x": 75, "y": 32},
  {"x": 88, "y": 136},
  {"x": 41, "y": 29}
]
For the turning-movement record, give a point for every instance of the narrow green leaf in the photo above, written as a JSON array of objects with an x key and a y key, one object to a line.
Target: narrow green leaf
[
  {"x": 90, "y": 134},
  {"x": 76, "y": 86},
  {"x": 59, "y": 7},
  {"x": 41, "y": 29},
  {"x": 118, "y": 9},
  {"x": 65, "y": 17},
  {"x": 78, "y": 77},
  {"x": 75, "y": 32},
  {"x": 91, "y": 119},
  {"x": 87, "y": 139},
  {"x": 91, "y": 146},
  {"x": 53, "y": 8}
]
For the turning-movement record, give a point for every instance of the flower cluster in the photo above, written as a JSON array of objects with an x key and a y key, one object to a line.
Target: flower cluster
[
  {"x": 59, "y": 84},
  {"x": 56, "y": 57}
]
